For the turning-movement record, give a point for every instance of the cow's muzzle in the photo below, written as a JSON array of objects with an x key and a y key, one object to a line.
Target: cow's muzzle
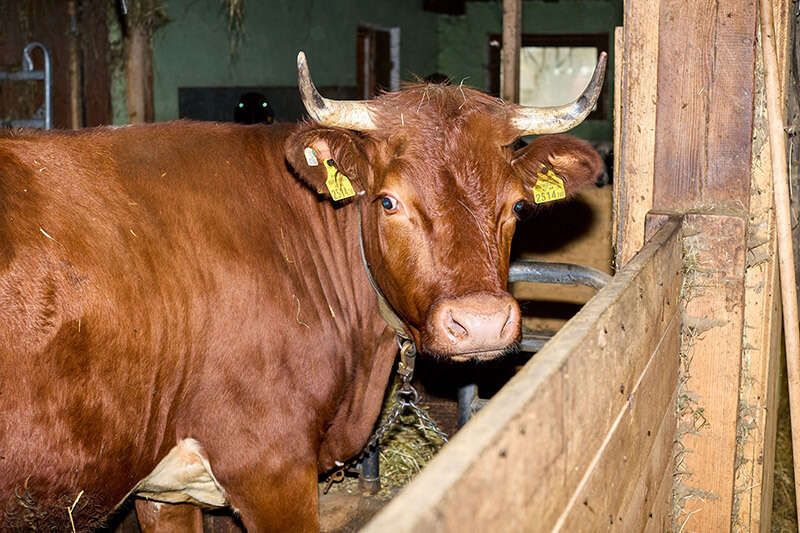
[{"x": 475, "y": 326}]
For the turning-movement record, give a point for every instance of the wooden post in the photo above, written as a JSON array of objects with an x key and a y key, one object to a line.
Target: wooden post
[
  {"x": 635, "y": 126},
  {"x": 777, "y": 141},
  {"x": 144, "y": 17},
  {"x": 761, "y": 352},
  {"x": 136, "y": 74},
  {"x": 703, "y": 146},
  {"x": 75, "y": 84},
  {"x": 512, "y": 41}
]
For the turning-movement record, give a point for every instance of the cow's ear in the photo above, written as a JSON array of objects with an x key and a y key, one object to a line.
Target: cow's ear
[
  {"x": 330, "y": 161},
  {"x": 554, "y": 167}
]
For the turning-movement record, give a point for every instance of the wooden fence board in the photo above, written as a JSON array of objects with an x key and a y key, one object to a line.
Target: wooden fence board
[
  {"x": 660, "y": 518},
  {"x": 614, "y": 477},
  {"x": 532, "y": 444},
  {"x": 649, "y": 502}
]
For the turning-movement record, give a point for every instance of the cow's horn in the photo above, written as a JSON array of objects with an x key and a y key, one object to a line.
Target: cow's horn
[
  {"x": 352, "y": 115},
  {"x": 542, "y": 120}
]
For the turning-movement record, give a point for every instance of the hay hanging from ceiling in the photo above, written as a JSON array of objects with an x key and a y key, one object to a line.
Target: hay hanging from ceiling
[
  {"x": 234, "y": 12},
  {"x": 147, "y": 14}
]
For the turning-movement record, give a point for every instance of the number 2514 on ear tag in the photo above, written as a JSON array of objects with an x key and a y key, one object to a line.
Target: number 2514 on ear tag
[
  {"x": 337, "y": 183},
  {"x": 549, "y": 187}
]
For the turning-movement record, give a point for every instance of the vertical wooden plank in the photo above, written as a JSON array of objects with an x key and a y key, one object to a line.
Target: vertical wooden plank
[
  {"x": 633, "y": 181},
  {"x": 75, "y": 103},
  {"x": 714, "y": 262},
  {"x": 730, "y": 108},
  {"x": 758, "y": 394},
  {"x": 619, "y": 58},
  {"x": 512, "y": 41},
  {"x": 704, "y": 110},
  {"x": 95, "y": 54}
]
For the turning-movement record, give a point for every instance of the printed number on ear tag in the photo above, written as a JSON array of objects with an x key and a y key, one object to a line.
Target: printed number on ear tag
[
  {"x": 548, "y": 187},
  {"x": 337, "y": 183}
]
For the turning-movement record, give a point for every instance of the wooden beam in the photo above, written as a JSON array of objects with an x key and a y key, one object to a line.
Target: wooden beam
[
  {"x": 758, "y": 394},
  {"x": 710, "y": 362},
  {"x": 635, "y": 122},
  {"x": 512, "y": 41},
  {"x": 73, "y": 54},
  {"x": 567, "y": 421},
  {"x": 705, "y": 104}
]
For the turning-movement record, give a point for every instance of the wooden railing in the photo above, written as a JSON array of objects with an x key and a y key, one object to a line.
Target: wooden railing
[{"x": 582, "y": 437}]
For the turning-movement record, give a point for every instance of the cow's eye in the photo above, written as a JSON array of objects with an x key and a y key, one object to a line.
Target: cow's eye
[
  {"x": 389, "y": 204},
  {"x": 522, "y": 209}
]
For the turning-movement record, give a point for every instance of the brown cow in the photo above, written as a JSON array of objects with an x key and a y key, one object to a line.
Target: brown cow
[{"x": 185, "y": 316}]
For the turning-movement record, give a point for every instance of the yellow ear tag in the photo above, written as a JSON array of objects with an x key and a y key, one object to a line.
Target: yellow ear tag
[
  {"x": 548, "y": 187},
  {"x": 337, "y": 183}
]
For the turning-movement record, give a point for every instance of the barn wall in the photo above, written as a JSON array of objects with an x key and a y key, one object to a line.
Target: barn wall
[
  {"x": 192, "y": 50},
  {"x": 464, "y": 51}
]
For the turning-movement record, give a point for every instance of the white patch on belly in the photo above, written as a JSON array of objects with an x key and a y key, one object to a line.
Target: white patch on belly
[{"x": 183, "y": 476}]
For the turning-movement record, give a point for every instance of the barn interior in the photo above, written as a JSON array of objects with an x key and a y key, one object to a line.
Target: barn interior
[{"x": 118, "y": 62}]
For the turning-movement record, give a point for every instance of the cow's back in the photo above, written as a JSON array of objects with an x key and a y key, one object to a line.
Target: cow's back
[{"x": 127, "y": 257}]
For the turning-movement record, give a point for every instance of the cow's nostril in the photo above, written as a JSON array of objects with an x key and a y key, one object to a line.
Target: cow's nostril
[
  {"x": 510, "y": 320},
  {"x": 455, "y": 328}
]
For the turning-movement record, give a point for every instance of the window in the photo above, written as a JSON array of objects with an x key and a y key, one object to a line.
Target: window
[{"x": 554, "y": 69}]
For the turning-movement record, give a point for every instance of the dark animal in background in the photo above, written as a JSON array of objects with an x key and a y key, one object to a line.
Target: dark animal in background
[
  {"x": 185, "y": 314},
  {"x": 253, "y": 108}
]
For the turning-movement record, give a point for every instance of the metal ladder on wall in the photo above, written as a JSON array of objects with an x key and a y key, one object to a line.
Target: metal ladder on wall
[{"x": 43, "y": 118}]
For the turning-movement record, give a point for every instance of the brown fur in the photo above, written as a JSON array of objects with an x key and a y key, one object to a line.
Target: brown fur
[
  {"x": 168, "y": 281},
  {"x": 445, "y": 152}
]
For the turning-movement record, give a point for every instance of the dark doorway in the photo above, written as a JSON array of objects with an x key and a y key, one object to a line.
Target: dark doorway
[{"x": 377, "y": 60}]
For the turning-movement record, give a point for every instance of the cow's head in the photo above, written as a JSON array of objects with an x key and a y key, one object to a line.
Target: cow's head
[{"x": 441, "y": 187}]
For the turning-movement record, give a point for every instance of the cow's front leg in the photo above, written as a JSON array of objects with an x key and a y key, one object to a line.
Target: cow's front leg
[
  {"x": 270, "y": 499},
  {"x": 157, "y": 517}
]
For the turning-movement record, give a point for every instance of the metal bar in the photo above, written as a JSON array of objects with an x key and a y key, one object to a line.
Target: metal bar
[
  {"x": 22, "y": 75},
  {"x": 532, "y": 343},
  {"x": 370, "y": 479},
  {"x": 27, "y": 65},
  {"x": 538, "y": 272},
  {"x": 28, "y": 73},
  {"x": 27, "y": 123},
  {"x": 557, "y": 273},
  {"x": 467, "y": 395}
]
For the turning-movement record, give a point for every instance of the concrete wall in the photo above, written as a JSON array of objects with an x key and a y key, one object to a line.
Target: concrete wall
[
  {"x": 192, "y": 50},
  {"x": 464, "y": 48}
]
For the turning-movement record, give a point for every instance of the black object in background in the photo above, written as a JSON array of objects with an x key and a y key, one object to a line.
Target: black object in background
[
  {"x": 253, "y": 108},
  {"x": 219, "y": 103}
]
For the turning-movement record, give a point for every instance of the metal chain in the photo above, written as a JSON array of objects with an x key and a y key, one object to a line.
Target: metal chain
[{"x": 406, "y": 398}]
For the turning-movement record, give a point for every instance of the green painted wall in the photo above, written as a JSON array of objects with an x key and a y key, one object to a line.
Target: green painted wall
[
  {"x": 464, "y": 51},
  {"x": 192, "y": 50}
]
